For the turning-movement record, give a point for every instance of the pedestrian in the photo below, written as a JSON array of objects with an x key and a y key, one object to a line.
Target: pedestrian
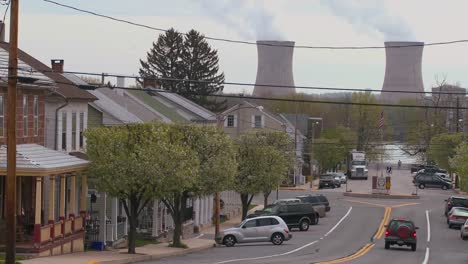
[
  {"x": 399, "y": 164},
  {"x": 390, "y": 170}
]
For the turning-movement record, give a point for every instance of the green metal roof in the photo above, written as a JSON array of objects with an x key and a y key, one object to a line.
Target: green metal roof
[{"x": 168, "y": 112}]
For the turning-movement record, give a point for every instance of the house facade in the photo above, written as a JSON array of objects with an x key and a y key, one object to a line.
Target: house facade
[{"x": 51, "y": 185}]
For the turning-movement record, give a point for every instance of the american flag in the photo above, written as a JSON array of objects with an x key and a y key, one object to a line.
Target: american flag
[{"x": 381, "y": 120}]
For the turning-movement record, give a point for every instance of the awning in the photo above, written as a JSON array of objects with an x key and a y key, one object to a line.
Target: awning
[{"x": 37, "y": 160}]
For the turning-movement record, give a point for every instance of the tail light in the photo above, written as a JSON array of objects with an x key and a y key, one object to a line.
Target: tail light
[
  {"x": 466, "y": 227},
  {"x": 414, "y": 234},
  {"x": 453, "y": 217},
  {"x": 386, "y": 232},
  {"x": 286, "y": 230}
]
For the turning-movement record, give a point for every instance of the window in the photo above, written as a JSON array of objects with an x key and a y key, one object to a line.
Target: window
[
  {"x": 64, "y": 131},
  {"x": 81, "y": 129},
  {"x": 258, "y": 121},
  {"x": 73, "y": 131},
  {"x": 251, "y": 223},
  {"x": 36, "y": 115},
  {"x": 231, "y": 121},
  {"x": 2, "y": 117},
  {"x": 265, "y": 221},
  {"x": 25, "y": 115}
]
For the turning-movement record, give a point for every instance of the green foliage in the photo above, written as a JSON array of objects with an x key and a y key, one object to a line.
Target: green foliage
[
  {"x": 442, "y": 148},
  {"x": 365, "y": 120},
  {"x": 263, "y": 161},
  {"x": 459, "y": 163},
  {"x": 190, "y": 57}
]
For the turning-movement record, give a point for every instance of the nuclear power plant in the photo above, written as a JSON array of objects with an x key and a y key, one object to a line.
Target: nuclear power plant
[
  {"x": 403, "y": 70},
  {"x": 275, "y": 67}
]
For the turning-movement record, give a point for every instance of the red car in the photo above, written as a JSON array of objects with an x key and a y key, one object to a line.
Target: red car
[{"x": 401, "y": 232}]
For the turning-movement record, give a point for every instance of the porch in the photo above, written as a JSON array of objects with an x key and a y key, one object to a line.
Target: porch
[{"x": 51, "y": 186}]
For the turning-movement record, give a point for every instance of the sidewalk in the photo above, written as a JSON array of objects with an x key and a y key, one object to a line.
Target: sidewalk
[{"x": 145, "y": 253}]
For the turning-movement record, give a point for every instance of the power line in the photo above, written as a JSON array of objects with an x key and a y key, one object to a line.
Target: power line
[
  {"x": 417, "y": 44},
  {"x": 242, "y": 84}
]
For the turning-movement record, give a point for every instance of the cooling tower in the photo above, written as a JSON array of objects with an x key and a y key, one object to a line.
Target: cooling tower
[
  {"x": 403, "y": 71},
  {"x": 275, "y": 67}
]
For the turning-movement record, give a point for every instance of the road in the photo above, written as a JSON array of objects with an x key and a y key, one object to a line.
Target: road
[{"x": 352, "y": 232}]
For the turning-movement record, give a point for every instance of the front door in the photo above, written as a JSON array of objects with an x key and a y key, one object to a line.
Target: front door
[{"x": 249, "y": 231}]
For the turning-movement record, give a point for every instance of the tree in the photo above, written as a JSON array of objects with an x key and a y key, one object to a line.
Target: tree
[
  {"x": 259, "y": 165},
  {"x": 188, "y": 57},
  {"x": 442, "y": 149},
  {"x": 217, "y": 166},
  {"x": 459, "y": 163},
  {"x": 164, "y": 60},
  {"x": 137, "y": 164}
]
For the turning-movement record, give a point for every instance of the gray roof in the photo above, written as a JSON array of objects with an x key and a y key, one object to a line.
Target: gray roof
[
  {"x": 112, "y": 108},
  {"x": 33, "y": 156},
  {"x": 189, "y": 105}
]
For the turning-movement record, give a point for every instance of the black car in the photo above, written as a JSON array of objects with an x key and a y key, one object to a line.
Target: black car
[
  {"x": 427, "y": 169},
  {"x": 299, "y": 215},
  {"x": 455, "y": 201},
  {"x": 424, "y": 180},
  {"x": 315, "y": 200},
  {"x": 401, "y": 232},
  {"x": 328, "y": 180}
]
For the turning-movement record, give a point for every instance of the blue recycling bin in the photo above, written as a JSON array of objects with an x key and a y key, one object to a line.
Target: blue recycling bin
[{"x": 97, "y": 245}]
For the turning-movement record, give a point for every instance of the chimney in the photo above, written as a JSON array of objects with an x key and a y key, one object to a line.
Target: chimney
[
  {"x": 403, "y": 70},
  {"x": 57, "y": 65},
  {"x": 2, "y": 31},
  {"x": 275, "y": 67},
  {"x": 150, "y": 82},
  {"x": 120, "y": 83}
]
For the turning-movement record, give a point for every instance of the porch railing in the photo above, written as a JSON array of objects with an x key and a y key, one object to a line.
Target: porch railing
[
  {"x": 45, "y": 234},
  {"x": 78, "y": 224},
  {"x": 58, "y": 230},
  {"x": 68, "y": 227}
]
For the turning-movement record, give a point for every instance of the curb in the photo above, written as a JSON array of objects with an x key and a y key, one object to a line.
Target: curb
[
  {"x": 380, "y": 196},
  {"x": 293, "y": 189},
  {"x": 458, "y": 191},
  {"x": 141, "y": 258}
]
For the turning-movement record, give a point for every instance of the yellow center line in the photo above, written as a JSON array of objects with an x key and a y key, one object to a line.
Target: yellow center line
[
  {"x": 367, "y": 247},
  {"x": 402, "y": 205},
  {"x": 363, "y": 202}
]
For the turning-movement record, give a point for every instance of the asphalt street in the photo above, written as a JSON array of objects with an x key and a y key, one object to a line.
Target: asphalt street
[{"x": 352, "y": 232}]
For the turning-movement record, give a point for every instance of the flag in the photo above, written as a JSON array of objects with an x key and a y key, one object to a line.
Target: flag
[{"x": 381, "y": 120}]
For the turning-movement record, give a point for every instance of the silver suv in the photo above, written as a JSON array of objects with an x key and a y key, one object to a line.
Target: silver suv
[{"x": 258, "y": 229}]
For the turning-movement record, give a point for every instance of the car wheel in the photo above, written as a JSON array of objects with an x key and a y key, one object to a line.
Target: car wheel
[
  {"x": 333, "y": 186},
  {"x": 387, "y": 245},
  {"x": 450, "y": 226},
  {"x": 304, "y": 225},
  {"x": 277, "y": 239},
  {"x": 422, "y": 186},
  {"x": 413, "y": 247},
  {"x": 229, "y": 241},
  {"x": 444, "y": 187}
]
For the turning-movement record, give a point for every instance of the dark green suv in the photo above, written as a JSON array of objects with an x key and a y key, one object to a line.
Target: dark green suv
[
  {"x": 401, "y": 232},
  {"x": 299, "y": 215}
]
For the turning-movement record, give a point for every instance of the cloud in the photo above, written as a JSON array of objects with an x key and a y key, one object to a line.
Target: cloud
[
  {"x": 372, "y": 16},
  {"x": 249, "y": 19}
]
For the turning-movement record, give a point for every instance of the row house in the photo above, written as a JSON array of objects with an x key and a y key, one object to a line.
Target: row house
[{"x": 51, "y": 184}]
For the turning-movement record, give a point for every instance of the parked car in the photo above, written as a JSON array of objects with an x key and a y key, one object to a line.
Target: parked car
[
  {"x": 287, "y": 201},
  {"x": 259, "y": 229},
  {"x": 427, "y": 168},
  {"x": 341, "y": 177},
  {"x": 315, "y": 199},
  {"x": 401, "y": 232},
  {"x": 455, "y": 201},
  {"x": 457, "y": 216},
  {"x": 464, "y": 230},
  {"x": 300, "y": 215},
  {"x": 424, "y": 180},
  {"x": 328, "y": 180}
]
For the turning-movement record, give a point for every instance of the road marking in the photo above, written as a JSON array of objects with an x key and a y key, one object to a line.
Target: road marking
[
  {"x": 428, "y": 227},
  {"x": 361, "y": 252},
  {"x": 292, "y": 251},
  {"x": 426, "y": 257},
  {"x": 339, "y": 222},
  {"x": 381, "y": 230},
  {"x": 363, "y": 202},
  {"x": 402, "y": 205}
]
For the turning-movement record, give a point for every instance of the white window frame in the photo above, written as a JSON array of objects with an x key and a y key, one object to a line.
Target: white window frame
[
  {"x": 234, "y": 121},
  {"x": 36, "y": 115},
  {"x": 2, "y": 116},
  {"x": 25, "y": 115},
  {"x": 254, "y": 123}
]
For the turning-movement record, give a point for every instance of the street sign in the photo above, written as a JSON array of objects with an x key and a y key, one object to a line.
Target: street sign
[{"x": 381, "y": 183}]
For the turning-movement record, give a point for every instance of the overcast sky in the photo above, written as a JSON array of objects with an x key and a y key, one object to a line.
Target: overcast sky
[{"x": 93, "y": 44}]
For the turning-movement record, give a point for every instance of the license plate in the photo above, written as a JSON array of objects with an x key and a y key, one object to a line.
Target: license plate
[{"x": 400, "y": 242}]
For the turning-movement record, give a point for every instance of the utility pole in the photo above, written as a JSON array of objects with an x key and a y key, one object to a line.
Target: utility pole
[
  {"x": 217, "y": 206},
  {"x": 11, "y": 136}
]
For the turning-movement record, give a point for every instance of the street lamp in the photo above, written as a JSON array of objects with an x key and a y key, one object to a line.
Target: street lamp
[
  {"x": 315, "y": 121},
  {"x": 219, "y": 122}
]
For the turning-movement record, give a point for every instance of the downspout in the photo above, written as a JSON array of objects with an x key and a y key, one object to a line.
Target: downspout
[{"x": 56, "y": 122}]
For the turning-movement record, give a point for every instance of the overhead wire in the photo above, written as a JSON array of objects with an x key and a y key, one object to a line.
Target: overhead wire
[{"x": 414, "y": 44}]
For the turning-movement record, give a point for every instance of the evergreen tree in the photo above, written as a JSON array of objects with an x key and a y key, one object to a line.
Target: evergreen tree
[
  {"x": 164, "y": 60},
  {"x": 189, "y": 58}
]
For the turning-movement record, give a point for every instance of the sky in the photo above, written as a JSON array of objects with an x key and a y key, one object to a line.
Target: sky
[{"x": 91, "y": 44}]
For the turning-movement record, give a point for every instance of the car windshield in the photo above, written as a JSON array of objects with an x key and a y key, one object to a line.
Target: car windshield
[
  {"x": 459, "y": 202},
  {"x": 325, "y": 177},
  {"x": 359, "y": 162},
  {"x": 460, "y": 212},
  {"x": 398, "y": 223},
  {"x": 269, "y": 209}
]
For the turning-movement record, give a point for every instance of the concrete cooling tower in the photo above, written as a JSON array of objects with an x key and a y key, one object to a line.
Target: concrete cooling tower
[
  {"x": 403, "y": 71},
  {"x": 275, "y": 67}
]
